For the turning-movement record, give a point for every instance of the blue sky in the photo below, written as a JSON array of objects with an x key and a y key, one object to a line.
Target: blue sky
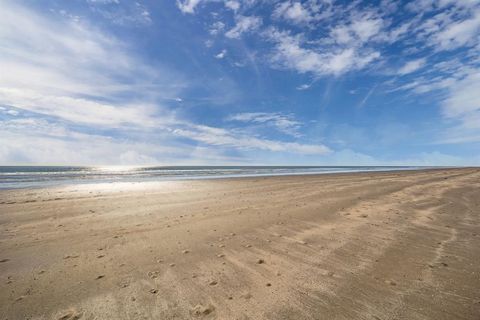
[{"x": 211, "y": 82}]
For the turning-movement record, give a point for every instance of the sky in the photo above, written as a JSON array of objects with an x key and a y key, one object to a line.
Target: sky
[{"x": 232, "y": 82}]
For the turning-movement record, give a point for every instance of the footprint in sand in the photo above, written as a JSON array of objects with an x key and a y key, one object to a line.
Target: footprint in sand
[
  {"x": 71, "y": 314},
  {"x": 391, "y": 282},
  {"x": 246, "y": 296},
  {"x": 200, "y": 310},
  {"x": 71, "y": 256},
  {"x": 153, "y": 274}
]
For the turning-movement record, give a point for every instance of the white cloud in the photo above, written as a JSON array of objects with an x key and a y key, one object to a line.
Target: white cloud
[
  {"x": 188, "y": 6},
  {"x": 69, "y": 70},
  {"x": 425, "y": 6},
  {"x": 221, "y": 54},
  {"x": 284, "y": 123},
  {"x": 458, "y": 89},
  {"x": 288, "y": 53},
  {"x": 34, "y": 141},
  {"x": 412, "y": 66},
  {"x": 366, "y": 27},
  {"x": 304, "y": 86},
  {"x": 244, "y": 24},
  {"x": 394, "y": 34},
  {"x": 463, "y": 101},
  {"x": 38, "y": 141},
  {"x": 292, "y": 11},
  {"x": 34, "y": 148},
  {"x": 342, "y": 34},
  {"x": 459, "y": 33},
  {"x": 222, "y": 137},
  {"x": 124, "y": 13},
  {"x": 78, "y": 110},
  {"x": 233, "y": 5},
  {"x": 445, "y": 30},
  {"x": 216, "y": 28},
  {"x": 361, "y": 28},
  {"x": 208, "y": 43},
  {"x": 340, "y": 37},
  {"x": 62, "y": 74}
]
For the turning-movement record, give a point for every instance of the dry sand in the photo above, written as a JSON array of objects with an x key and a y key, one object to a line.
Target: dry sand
[{"x": 394, "y": 245}]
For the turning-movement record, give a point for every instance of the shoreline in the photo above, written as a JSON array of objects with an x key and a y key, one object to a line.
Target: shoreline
[
  {"x": 341, "y": 245},
  {"x": 152, "y": 179},
  {"x": 155, "y": 180}
]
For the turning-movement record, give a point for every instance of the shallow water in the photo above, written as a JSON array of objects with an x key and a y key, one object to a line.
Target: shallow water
[{"x": 12, "y": 177}]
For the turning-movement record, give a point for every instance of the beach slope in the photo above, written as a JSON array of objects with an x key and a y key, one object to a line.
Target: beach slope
[{"x": 391, "y": 245}]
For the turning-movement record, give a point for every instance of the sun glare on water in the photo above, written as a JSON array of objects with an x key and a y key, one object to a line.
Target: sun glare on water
[{"x": 117, "y": 169}]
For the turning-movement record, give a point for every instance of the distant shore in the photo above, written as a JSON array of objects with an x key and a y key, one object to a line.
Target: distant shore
[{"x": 370, "y": 245}]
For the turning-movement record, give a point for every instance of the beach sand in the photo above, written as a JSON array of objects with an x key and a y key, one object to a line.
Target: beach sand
[{"x": 391, "y": 245}]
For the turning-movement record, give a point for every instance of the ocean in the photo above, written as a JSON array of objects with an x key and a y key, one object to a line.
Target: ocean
[{"x": 14, "y": 177}]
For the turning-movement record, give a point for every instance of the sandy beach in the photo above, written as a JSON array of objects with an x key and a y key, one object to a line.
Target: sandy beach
[{"x": 390, "y": 245}]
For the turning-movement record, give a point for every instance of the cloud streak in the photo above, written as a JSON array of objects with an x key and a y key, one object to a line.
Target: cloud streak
[
  {"x": 86, "y": 97},
  {"x": 221, "y": 137},
  {"x": 283, "y": 123},
  {"x": 412, "y": 66},
  {"x": 243, "y": 24}
]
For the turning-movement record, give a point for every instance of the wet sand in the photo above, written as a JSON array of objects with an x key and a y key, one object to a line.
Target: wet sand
[{"x": 392, "y": 245}]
